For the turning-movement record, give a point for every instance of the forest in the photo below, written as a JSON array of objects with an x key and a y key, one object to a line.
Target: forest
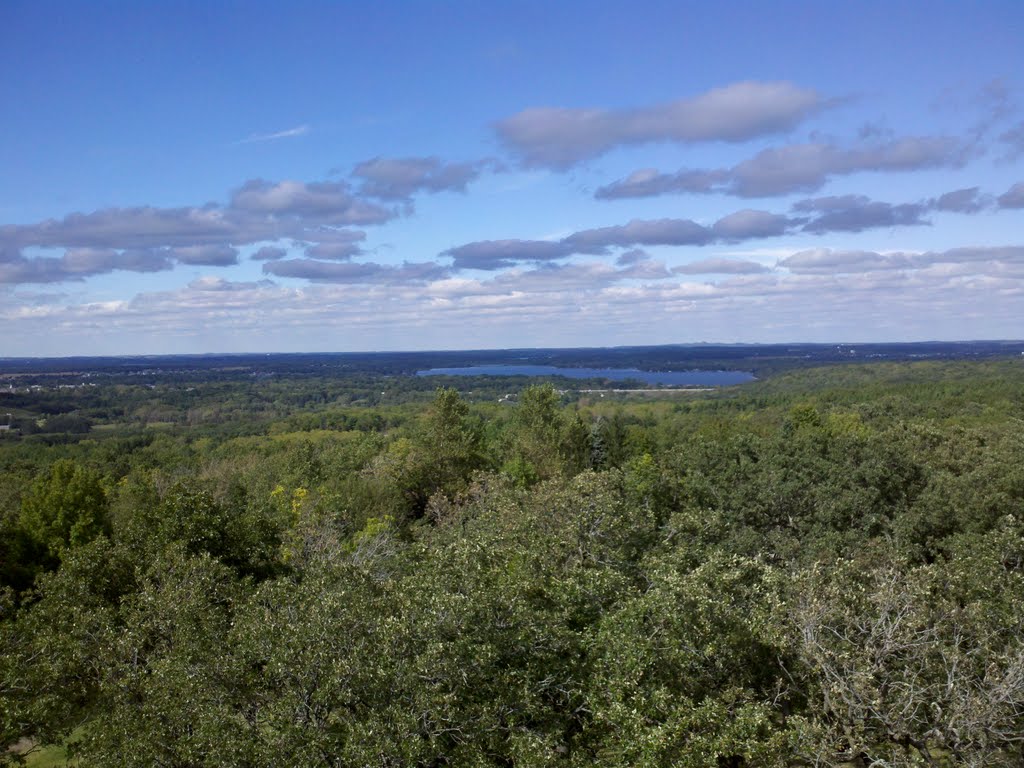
[{"x": 824, "y": 567}]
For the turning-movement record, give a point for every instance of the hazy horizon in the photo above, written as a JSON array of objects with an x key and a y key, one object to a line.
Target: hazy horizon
[{"x": 496, "y": 350}]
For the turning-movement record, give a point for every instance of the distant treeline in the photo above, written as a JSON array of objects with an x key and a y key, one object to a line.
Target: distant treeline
[{"x": 763, "y": 358}]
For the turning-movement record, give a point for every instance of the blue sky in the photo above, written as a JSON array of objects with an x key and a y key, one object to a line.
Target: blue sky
[{"x": 229, "y": 177}]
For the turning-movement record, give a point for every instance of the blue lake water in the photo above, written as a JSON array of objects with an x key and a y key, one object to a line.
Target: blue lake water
[{"x": 667, "y": 378}]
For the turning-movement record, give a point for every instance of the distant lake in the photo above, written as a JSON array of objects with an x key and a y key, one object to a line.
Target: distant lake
[{"x": 669, "y": 378}]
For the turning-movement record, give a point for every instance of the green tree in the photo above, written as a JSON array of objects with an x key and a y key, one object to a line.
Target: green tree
[
  {"x": 450, "y": 441},
  {"x": 55, "y": 650},
  {"x": 65, "y": 507},
  {"x": 545, "y": 442},
  {"x": 909, "y": 665},
  {"x": 687, "y": 673}
]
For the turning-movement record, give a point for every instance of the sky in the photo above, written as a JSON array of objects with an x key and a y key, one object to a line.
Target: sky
[{"x": 186, "y": 177}]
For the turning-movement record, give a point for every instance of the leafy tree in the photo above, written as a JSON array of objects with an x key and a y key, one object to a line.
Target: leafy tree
[
  {"x": 166, "y": 685},
  {"x": 55, "y": 650},
  {"x": 825, "y": 569},
  {"x": 904, "y": 664},
  {"x": 21, "y": 557},
  {"x": 65, "y": 507},
  {"x": 688, "y": 672}
]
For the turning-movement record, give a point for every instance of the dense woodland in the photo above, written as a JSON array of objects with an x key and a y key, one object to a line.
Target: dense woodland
[{"x": 823, "y": 568}]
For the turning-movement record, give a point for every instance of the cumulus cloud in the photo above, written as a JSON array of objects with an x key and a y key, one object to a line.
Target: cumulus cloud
[
  {"x": 339, "y": 251},
  {"x": 79, "y": 263},
  {"x": 320, "y": 234},
  {"x": 967, "y": 200},
  {"x": 805, "y": 168},
  {"x": 144, "y": 227},
  {"x": 95, "y": 261},
  {"x": 856, "y": 213},
  {"x": 76, "y": 264},
  {"x": 1013, "y": 197},
  {"x": 269, "y": 253},
  {"x": 219, "y": 284},
  {"x": 828, "y": 261},
  {"x": 634, "y": 256},
  {"x": 549, "y": 278},
  {"x": 848, "y": 213},
  {"x": 559, "y": 138},
  {"x": 501, "y": 254},
  {"x": 259, "y": 210},
  {"x": 793, "y": 168},
  {"x": 959, "y": 293},
  {"x": 205, "y": 255},
  {"x": 316, "y": 202},
  {"x": 648, "y": 182},
  {"x": 398, "y": 178},
  {"x": 493, "y": 255},
  {"x": 748, "y": 224},
  {"x": 639, "y": 232},
  {"x": 719, "y": 266},
  {"x": 366, "y": 272},
  {"x": 645, "y": 269},
  {"x": 15, "y": 269},
  {"x": 145, "y": 239}
]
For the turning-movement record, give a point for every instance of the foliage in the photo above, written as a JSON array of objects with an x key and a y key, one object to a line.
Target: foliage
[
  {"x": 825, "y": 568},
  {"x": 65, "y": 507}
]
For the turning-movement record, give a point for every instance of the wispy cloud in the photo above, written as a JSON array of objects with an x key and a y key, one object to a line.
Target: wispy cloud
[
  {"x": 299, "y": 130},
  {"x": 977, "y": 261}
]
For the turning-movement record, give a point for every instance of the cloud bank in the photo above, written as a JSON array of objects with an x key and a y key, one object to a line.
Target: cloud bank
[
  {"x": 148, "y": 239},
  {"x": 817, "y": 295},
  {"x": 818, "y": 216}
]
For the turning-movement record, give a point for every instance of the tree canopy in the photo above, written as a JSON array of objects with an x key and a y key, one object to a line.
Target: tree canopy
[{"x": 826, "y": 570}]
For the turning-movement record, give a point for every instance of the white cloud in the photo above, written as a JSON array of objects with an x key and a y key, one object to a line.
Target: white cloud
[{"x": 815, "y": 295}]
